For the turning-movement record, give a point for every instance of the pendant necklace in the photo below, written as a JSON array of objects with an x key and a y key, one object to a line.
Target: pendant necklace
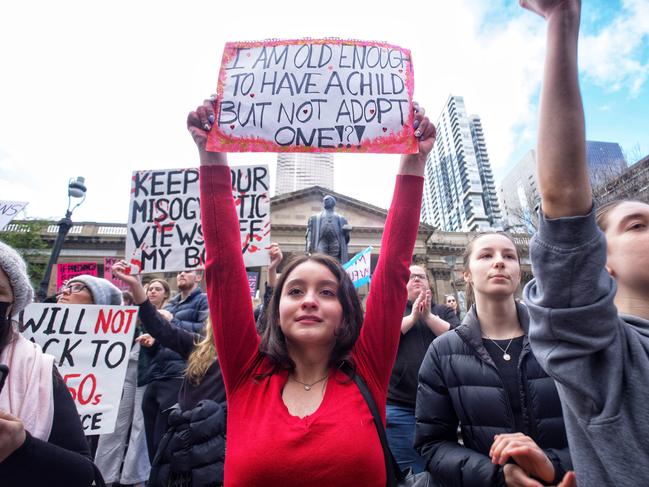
[
  {"x": 308, "y": 387},
  {"x": 506, "y": 356}
]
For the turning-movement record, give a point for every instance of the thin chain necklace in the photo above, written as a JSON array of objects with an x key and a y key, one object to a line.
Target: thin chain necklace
[
  {"x": 506, "y": 356},
  {"x": 308, "y": 387}
]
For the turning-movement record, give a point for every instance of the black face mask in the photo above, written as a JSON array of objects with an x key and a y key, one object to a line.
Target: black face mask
[{"x": 5, "y": 321}]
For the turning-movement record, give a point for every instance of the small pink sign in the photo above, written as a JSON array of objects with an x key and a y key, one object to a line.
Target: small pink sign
[
  {"x": 108, "y": 273},
  {"x": 314, "y": 95},
  {"x": 68, "y": 270}
]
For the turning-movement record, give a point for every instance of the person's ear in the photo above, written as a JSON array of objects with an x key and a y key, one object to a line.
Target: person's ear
[{"x": 467, "y": 277}]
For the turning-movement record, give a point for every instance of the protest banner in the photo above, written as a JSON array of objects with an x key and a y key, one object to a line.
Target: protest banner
[
  {"x": 314, "y": 95},
  {"x": 164, "y": 232},
  {"x": 9, "y": 210},
  {"x": 91, "y": 346},
  {"x": 252, "y": 282},
  {"x": 68, "y": 270},
  {"x": 108, "y": 273},
  {"x": 358, "y": 268}
]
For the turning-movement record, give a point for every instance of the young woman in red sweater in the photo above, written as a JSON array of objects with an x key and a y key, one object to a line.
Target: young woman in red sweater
[{"x": 294, "y": 418}]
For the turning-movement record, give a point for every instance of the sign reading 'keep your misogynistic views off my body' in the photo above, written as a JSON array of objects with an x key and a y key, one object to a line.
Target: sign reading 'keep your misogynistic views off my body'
[
  {"x": 91, "y": 346},
  {"x": 164, "y": 232},
  {"x": 310, "y": 95}
]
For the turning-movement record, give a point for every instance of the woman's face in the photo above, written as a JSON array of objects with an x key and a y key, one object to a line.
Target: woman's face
[
  {"x": 494, "y": 270},
  {"x": 156, "y": 294},
  {"x": 309, "y": 310},
  {"x": 627, "y": 238},
  {"x": 75, "y": 292},
  {"x": 451, "y": 303}
]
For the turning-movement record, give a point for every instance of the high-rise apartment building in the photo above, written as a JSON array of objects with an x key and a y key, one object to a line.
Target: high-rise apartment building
[
  {"x": 459, "y": 189},
  {"x": 301, "y": 170},
  {"x": 518, "y": 192}
]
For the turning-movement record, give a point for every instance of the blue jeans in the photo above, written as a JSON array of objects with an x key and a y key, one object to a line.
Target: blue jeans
[{"x": 401, "y": 434}]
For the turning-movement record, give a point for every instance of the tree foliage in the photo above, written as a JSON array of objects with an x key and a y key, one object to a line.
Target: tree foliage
[{"x": 26, "y": 237}]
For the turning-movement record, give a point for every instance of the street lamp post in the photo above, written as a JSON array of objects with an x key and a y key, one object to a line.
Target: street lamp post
[{"x": 76, "y": 190}]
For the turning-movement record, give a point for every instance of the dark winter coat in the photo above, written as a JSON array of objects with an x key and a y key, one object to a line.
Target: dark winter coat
[
  {"x": 193, "y": 448},
  {"x": 459, "y": 383},
  {"x": 190, "y": 315},
  {"x": 413, "y": 345}
]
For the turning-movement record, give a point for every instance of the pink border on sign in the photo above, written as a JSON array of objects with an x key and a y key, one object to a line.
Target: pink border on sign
[{"x": 402, "y": 142}]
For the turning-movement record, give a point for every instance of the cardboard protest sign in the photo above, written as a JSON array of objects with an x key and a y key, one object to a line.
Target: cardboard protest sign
[
  {"x": 108, "y": 273},
  {"x": 164, "y": 232},
  {"x": 91, "y": 346},
  {"x": 68, "y": 270},
  {"x": 358, "y": 268},
  {"x": 9, "y": 210},
  {"x": 252, "y": 282},
  {"x": 314, "y": 95}
]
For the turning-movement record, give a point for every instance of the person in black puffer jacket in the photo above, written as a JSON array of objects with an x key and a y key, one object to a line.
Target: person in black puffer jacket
[
  {"x": 484, "y": 377},
  {"x": 187, "y": 311},
  {"x": 192, "y": 451}
]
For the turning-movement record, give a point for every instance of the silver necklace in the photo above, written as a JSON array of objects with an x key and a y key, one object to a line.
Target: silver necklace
[
  {"x": 506, "y": 356},
  {"x": 308, "y": 387}
]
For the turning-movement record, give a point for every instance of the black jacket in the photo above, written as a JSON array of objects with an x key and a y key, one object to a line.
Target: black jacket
[
  {"x": 189, "y": 315},
  {"x": 62, "y": 460},
  {"x": 182, "y": 342},
  {"x": 459, "y": 382},
  {"x": 402, "y": 390},
  {"x": 193, "y": 448}
]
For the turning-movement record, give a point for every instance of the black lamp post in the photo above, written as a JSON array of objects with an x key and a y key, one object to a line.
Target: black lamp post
[{"x": 76, "y": 190}]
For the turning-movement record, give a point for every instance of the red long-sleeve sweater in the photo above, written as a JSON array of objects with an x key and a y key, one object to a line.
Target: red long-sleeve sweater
[{"x": 338, "y": 444}]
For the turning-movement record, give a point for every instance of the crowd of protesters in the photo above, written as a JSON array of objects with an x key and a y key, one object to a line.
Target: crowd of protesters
[{"x": 520, "y": 392}]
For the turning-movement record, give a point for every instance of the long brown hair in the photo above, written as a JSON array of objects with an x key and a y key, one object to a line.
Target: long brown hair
[
  {"x": 165, "y": 286},
  {"x": 466, "y": 259},
  {"x": 273, "y": 341},
  {"x": 202, "y": 357}
]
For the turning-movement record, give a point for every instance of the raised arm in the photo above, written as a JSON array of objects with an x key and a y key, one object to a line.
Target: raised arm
[
  {"x": 228, "y": 292},
  {"x": 561, "y": 154},
  {"x": 379, "y": 339},
  {"x": 175, "y": 338}
]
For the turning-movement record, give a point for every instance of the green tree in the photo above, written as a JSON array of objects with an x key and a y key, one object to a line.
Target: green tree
[{"x": 26, "y": 237}]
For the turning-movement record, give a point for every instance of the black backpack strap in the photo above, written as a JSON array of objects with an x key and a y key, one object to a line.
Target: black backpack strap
[{"x": 393, "y": 471}]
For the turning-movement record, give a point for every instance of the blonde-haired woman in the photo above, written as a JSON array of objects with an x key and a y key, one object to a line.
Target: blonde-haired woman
[{"x": 180, "y": 459}]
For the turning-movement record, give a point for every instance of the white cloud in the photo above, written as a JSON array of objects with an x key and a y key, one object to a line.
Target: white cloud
[
  {"x": 617, "y": 56},
  {"x": 100, "y": 90}
]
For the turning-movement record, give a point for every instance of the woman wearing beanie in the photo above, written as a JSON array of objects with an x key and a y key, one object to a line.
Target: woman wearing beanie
[{"x": 41, "y": 438}]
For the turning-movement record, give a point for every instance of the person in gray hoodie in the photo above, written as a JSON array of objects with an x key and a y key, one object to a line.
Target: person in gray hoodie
[{"x": 589, "y": 301}]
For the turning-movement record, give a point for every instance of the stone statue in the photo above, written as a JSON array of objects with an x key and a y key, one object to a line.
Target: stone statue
[{"x": 328, "y": 232}]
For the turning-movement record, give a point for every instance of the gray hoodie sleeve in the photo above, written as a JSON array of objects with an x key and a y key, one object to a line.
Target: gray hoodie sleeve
[{"x": 575, "y": 330}]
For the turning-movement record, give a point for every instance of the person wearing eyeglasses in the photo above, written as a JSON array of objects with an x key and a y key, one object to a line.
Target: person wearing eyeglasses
[
  {"x": 423, "y": 321},
  {"x": 86, "y": 289}
]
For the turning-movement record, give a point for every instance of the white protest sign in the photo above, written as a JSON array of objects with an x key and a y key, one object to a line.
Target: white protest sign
[
  {"x": 91, "y": 346},
  {"x": 358, "y": 268},
  {"x": 164, "y": 232},
  {"x": 9, "y": 210},
  {"x": 314, "y": 95}
]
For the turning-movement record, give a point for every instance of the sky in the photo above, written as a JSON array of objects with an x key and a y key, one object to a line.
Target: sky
[{"x": 100, "y": 89}]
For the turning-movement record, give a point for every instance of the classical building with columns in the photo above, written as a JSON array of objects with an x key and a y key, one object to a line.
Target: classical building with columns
[{"x": 440, "y": 252}]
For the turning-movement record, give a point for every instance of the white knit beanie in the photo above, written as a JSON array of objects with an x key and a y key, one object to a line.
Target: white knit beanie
[
  {"x": 16, "y": 269},
  {"x": 103, "y": 291}
]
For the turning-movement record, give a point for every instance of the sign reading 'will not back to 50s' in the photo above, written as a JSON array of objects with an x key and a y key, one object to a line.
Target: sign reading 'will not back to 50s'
[{"x": 309, "y": 95}]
